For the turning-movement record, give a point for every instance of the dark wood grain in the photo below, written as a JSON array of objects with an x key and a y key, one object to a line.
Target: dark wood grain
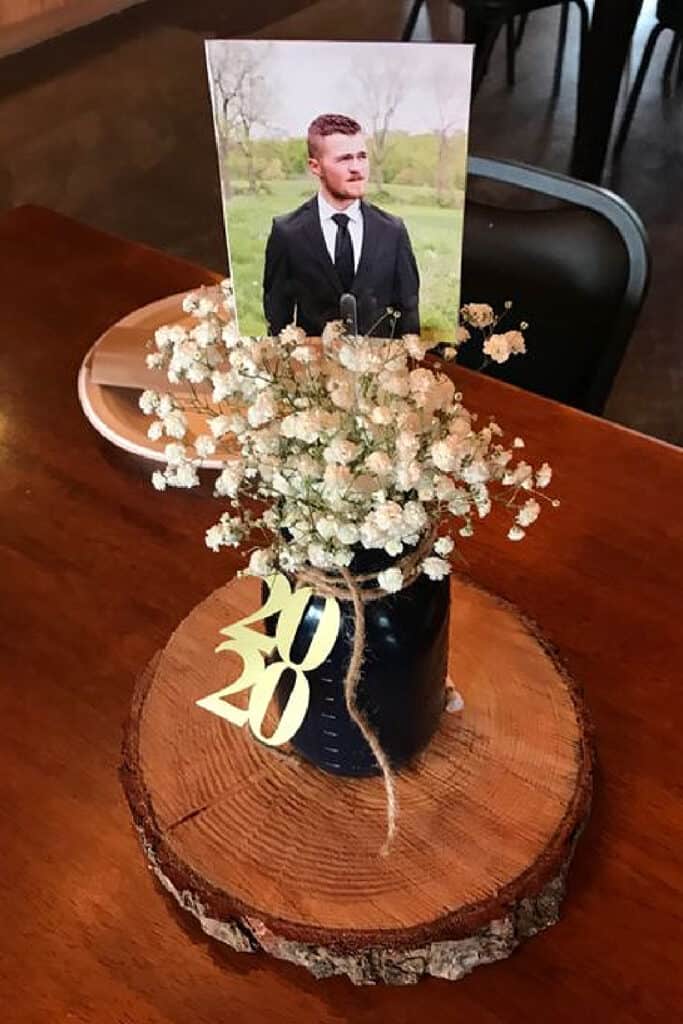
[{"x": 97, "y": 569}]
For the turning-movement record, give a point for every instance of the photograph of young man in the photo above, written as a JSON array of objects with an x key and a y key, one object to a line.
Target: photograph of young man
[{"x": 337, "y": 243}]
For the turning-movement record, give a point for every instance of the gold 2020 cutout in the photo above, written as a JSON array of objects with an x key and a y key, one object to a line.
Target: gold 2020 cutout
[{"x": 262, "y": 679}]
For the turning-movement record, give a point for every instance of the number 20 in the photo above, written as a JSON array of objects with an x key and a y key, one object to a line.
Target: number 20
[{"x": 262, "y": 679}]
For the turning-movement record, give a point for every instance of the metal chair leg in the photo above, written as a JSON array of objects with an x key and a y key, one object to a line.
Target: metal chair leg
[
  {"x": 521, "y": 26},
  {"x": 561, "y": 44},
  {"x": 510, "y": 50},
  {"x": 584, "y": 17},
  {"x": 669, "y": 65},
  {"x": 636, "y": 90},
  {"x": 482, "y": 54},
  {"x": 412, "y": 21}
]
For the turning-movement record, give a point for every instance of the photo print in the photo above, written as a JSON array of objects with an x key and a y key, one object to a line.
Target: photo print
[{"x": 342, "y": 169}]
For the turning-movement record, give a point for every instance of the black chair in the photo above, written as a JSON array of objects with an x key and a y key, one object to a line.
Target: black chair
[
  {"x": 576, "y": 272},
  {"x": 669, "y": 16},
  {"x": 484, "y": 20}
]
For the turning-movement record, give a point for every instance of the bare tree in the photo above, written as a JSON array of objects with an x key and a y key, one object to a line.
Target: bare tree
[
  {"x": 447, "y": 123},
  {"x": 243, "y": 102},
  {"x": 381, "y": 91}
]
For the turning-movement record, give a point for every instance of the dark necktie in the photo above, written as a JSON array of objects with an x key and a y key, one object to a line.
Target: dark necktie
[{"x": 343, "y": 251}]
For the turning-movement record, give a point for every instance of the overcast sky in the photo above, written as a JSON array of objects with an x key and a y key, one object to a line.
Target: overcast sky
[{"x": 311, "y": 78}]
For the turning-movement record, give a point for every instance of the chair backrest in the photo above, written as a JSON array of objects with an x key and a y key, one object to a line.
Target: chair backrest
[
  {"x": 508, "y": 8},
  {"x": 577, "y": 273},
  {"x": 670, "y": 14}
]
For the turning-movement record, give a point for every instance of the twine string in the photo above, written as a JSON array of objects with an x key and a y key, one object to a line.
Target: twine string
[{"x": 350, "y": 588}]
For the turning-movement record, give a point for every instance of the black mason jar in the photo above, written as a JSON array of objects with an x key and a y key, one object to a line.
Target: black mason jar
[{"x": 401, "y": 687}]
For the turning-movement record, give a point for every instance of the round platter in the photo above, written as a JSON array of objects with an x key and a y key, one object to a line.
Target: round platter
[
  {"x": 268, "y": 852},
  {"x": 113, "y": 410}
]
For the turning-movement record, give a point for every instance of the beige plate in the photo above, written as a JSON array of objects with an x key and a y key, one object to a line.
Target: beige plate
[{"x": 113, "y": 410}]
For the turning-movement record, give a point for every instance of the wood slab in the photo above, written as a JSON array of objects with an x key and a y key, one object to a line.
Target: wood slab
[{"x": 269, "y": 852}]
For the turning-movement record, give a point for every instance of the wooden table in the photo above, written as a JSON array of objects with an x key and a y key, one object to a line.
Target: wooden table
[{"x": 97, "y": 568}]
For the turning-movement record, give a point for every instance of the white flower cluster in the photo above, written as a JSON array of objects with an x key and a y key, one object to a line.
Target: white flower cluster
[
  {"x": 346, "y": 440},
  {"x": 497, "y": 347}
]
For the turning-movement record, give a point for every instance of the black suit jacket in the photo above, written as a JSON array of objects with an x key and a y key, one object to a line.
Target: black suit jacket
[{"x": 299, "y": 276}]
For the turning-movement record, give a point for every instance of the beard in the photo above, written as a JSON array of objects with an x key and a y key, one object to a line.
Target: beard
[{"x": 352, "y": 190}]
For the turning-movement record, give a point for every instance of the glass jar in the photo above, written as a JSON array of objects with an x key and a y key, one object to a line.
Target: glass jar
[{"x": 402, "y": 682}]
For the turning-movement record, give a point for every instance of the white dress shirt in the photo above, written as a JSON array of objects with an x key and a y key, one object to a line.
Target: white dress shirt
[{"x": 329, "y": 227}]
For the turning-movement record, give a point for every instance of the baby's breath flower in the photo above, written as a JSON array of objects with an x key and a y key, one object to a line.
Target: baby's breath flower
[
  {"x": 520, "y": 476},
  {"x": 229, "y": 335},
  {"x": 214, "y": 538},
  {"x": 332, "y": 332},
  {"x": 205, "y": 305},
  {"x": 175, "y": 424},
  {"x": 205, "y": 446},
  {"x": 164, "y": 337},
  {"x": 342, "y": 557},
  {"x": 318, "y": 556},
  {"x": 229, "y": 479},
  {"x": 390, "y": 580},
  {"x": 345, "y": 441},
  {"x": 544, "y": 476},
  {"x": 416, "y": 346},
  {"x": 304, "y": 354},
  {"x": 499, "y": 347},
  {"x": 164, "y": 406},
  {"x": 261, "y": 562},
  {"x": 444, "y": 546},
  {"x": 516, "y": 343},
  {"x": 154, "y": 361},
  {"x": 341, "y": 450},
  {"x": 435, "y": 568},
  {"x": 219, "y": 425},
  {"x": 326, "y": 527},
  {"x": 184, "y": 475},
  {"x": 148, "y": 402},
  {"x": 175, "y": 454},
  {"x": 528, "y": 513},
  {"x": 293, "y": 336},
  {"x": 496, "y": 347},
  {"x": 382, "y": 415},
  {"x": 263, "y": 410},
  {"x": 478, "y": 314},
  {"x": 379, "y": 463},
  {"x": 348, "y": 533}
]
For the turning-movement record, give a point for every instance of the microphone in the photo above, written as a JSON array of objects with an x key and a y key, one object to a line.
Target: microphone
[{"x": 348, "y": 312}]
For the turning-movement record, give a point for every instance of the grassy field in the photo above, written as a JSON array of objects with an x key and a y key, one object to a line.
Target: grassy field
[{"x": 435, "y": 234}]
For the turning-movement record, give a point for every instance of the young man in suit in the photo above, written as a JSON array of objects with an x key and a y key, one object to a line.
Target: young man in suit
[{"x": 336, "y": 243}]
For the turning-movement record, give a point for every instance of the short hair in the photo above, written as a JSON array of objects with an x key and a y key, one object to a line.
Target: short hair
[{"x": 329, "y": 124}]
